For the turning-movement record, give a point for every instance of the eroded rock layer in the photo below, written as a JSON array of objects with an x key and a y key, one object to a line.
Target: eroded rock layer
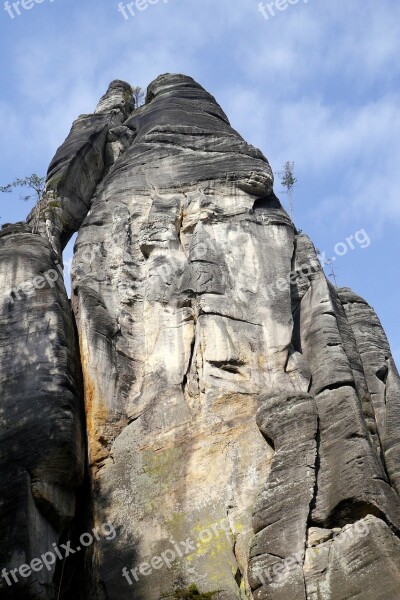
[{"x": 241, "y": 413}]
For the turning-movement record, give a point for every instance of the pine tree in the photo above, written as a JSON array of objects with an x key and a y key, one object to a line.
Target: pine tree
[{"x": 288, "y": 181}]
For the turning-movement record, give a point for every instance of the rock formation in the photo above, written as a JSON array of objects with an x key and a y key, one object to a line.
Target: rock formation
[{"x": 240, "y": 413}]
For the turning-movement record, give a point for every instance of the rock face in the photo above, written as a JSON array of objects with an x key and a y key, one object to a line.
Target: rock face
[
  {"x": 41, "y": 441},
  {"x": 241, "y": 414}
]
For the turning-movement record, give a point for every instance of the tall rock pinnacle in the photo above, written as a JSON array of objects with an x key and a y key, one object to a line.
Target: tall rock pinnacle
[{"x": 240, "y": 413}]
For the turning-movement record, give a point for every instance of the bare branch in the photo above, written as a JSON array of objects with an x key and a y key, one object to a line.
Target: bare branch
[
  {"x": 32, "y": 182},
  {"x": 138, "y": 96}
]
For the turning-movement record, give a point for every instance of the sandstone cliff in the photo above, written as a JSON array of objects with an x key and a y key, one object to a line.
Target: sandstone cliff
[{"x": 240, "y": 414}]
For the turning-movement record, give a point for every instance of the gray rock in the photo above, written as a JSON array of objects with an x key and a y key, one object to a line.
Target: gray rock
[
  {"x": 241, "y": 413},
  {"x": 281, "y": 513},
  {"x": 381, "y": 375},
  {"x": 41, "y": 438},
  {"x": 118, "y": 97},
  {"x": 172, "y": 305},
  {"x": 79, "y": 166},
  {"x": 362, "y": 561}
]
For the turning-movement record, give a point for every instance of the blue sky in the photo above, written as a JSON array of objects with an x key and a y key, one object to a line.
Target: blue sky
[{"x": 318, "y": 83}]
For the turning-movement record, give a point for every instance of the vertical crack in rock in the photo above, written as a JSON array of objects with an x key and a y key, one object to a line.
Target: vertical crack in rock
[
  {"x": 317, "y": 469},
  {"x": 282, "y": 511}
]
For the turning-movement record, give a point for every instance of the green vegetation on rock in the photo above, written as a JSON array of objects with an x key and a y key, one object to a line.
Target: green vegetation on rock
[{"x": 193, "y": 593}]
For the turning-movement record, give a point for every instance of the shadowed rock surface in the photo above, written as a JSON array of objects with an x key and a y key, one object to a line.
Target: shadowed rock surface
[
  {"x": 41, "y": 439},
  {"x": 241, "y": 413}
]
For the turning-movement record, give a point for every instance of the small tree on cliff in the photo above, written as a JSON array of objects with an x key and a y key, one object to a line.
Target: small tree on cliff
[
  {"x": 33, "y": 183},
  {"x": 288, "y": 181},
  {"x": 332, "y": 272},
  {"x": 138, "y": 95}
]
